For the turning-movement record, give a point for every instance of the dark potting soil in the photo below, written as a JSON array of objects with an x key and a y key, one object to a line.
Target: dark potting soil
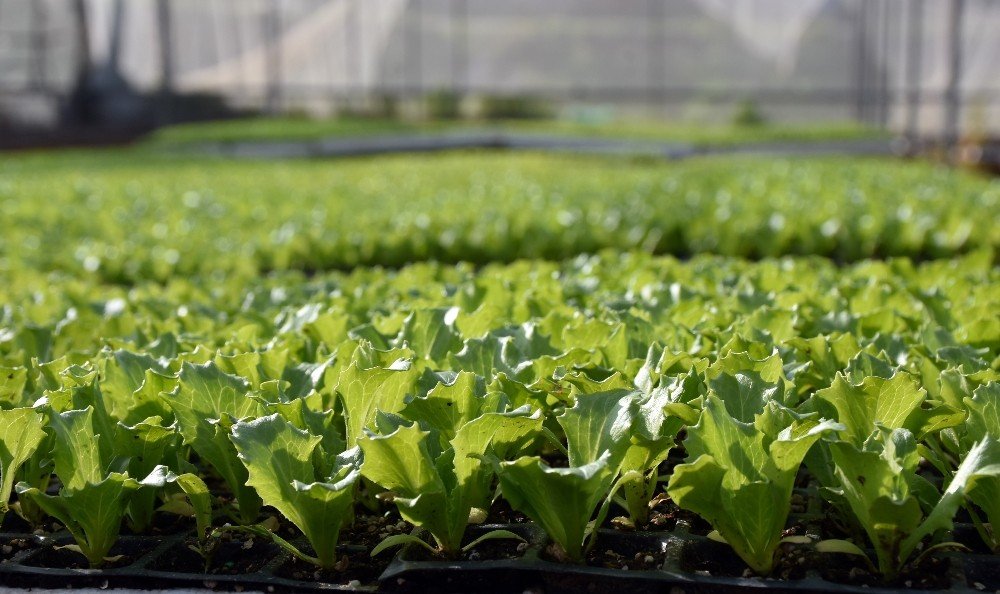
[
  {"x": 967, "y": 536},
  {"x": 931, "y": 574},
  {"x": 354, "y": 568},
  {"x": 710, "y": 558},
  {"x": 502, "y": 513},
  {"x": 556, "y": 460},
  {"x": 124, "y": 553},
  {"x": 238, "y": 556},
  {"x": 490, "y": 550},
  {"x": 676, "y": 457},
  {"x": 12, "y": 546},
  {"x": 162, "y": 524},
  {"x": 798, "y": 504},
  {"x": 369, "y": 530},
  {"x": 638, "y": 558},
  {"x": 663, "y": 517}
]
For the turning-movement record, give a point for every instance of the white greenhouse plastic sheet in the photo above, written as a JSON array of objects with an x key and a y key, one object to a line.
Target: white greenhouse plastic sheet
[{"x": 608, "y": 50}]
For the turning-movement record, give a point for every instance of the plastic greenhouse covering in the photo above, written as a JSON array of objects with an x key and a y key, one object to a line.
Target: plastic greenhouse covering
[{"x": 821, "y": 58}]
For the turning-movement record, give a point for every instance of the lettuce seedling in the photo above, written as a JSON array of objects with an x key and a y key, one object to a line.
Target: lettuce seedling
[
  {"x": 198, "y": 505},
  {"x": 280, "y": 460},
  {"x": 598, "y": 430},
  {"x": 661, "y": 413},
  {"x": 893, "y": 403},
  {"x": 561, "y": 500},
  {"x": 741, "y": 474},
  {"x": 984, "y": 421},
  {"x": 882, "y": 488},
  {"x": 20, "y": 435},
  {"x": 374, "y": 381},
  {"x": 130, "y": 385},
  {"x": 436, "y": 483},
  {"x": 145, "y": 445},
  {"x": 136, "y": 449},
  {"x": 891, "y": 399},
  {"x": 206, "y": 404},
  {"x": 93, "y": 499}
]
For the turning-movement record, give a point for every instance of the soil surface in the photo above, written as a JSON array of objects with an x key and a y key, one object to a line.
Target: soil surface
[
  {"x": 502, "y": 513},
  {"x": 121, "y": 555},
  {"x": 643, "y": 559},
  {"x": 490, "y": 550},
  {"x": 663, "y": 517},
  {"x": 369, "y": 530},
  {"x": 354, "y": 568},
  {"x": 12, "y": 546},
  {"x": 710, "y": 558},
  {"x": 932, "y": 574},
  {"x": 236, "y": 554}
]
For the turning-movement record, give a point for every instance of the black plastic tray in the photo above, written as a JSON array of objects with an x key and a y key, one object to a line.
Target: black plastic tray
[
  {"x": 20, "y": 571},
  {"x": 412, "y": 571},
  {"x": 966, "y": 572}
]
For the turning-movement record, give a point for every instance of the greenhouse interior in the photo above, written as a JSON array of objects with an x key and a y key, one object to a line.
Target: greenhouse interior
[{"x": 667, "y": 296}]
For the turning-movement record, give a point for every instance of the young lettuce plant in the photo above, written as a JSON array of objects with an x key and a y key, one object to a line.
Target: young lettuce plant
[
  {"x": 984, "y": 421},
  {"x": 563, "y": 501},
  {"x": 892, "y": 399},
  {"x": 281, "y": 461},
  {"x": 145, "y": 444},
  {"x": 94, "y": 498},
  {"x": 437, "y": 476},
  {"x": 872, "y": 393},
  {"x": 741, "y": 474},
  {"x": 135, "y": 449},
  {"x": 206, "y": 404},
  {"x": 374, "y": 381},
  {"x": 882, "y": 488},
  {"x": 660, "y": 408},
  {"x": 193, "y": 500},
  {"x": 894, "y": 402},
  {"x": 20, "y": 435},
  {"x": 664, "y": 407}
]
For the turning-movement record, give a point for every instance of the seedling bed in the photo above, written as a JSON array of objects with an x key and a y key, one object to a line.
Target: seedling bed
[{"x": 633, "y": 561}]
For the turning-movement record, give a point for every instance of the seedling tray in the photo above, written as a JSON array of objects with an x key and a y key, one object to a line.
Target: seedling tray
[
  {"x": 150, "y": 553},
  {"x": 509, "y": 567},
  {"x": 672, "y": 572}
]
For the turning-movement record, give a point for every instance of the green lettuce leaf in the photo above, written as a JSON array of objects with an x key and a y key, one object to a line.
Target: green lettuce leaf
[
  {"x": 92, "y": 501},
  {"x": 206, "y": 404},
  {"x": 889, "y": 402},
  {"x": 279, "y": 459},
  {"x": 655, "y": 427},
  {"x": 437, "y": 490},
  {"x": 20, "y": 435},
  {"x": 431, "y": 333},
  {"x": 92, "y": 512},
  {"x": 598, "y": 430},
  {"x": 561, "y": 500},
  {"x": 145, "y": 445},
  {"x": 883, "y": 490},
  {"x": 365, "y": 387},
  {"x": 984, "y": 421},
  {"x": 740, "y": 478}
]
